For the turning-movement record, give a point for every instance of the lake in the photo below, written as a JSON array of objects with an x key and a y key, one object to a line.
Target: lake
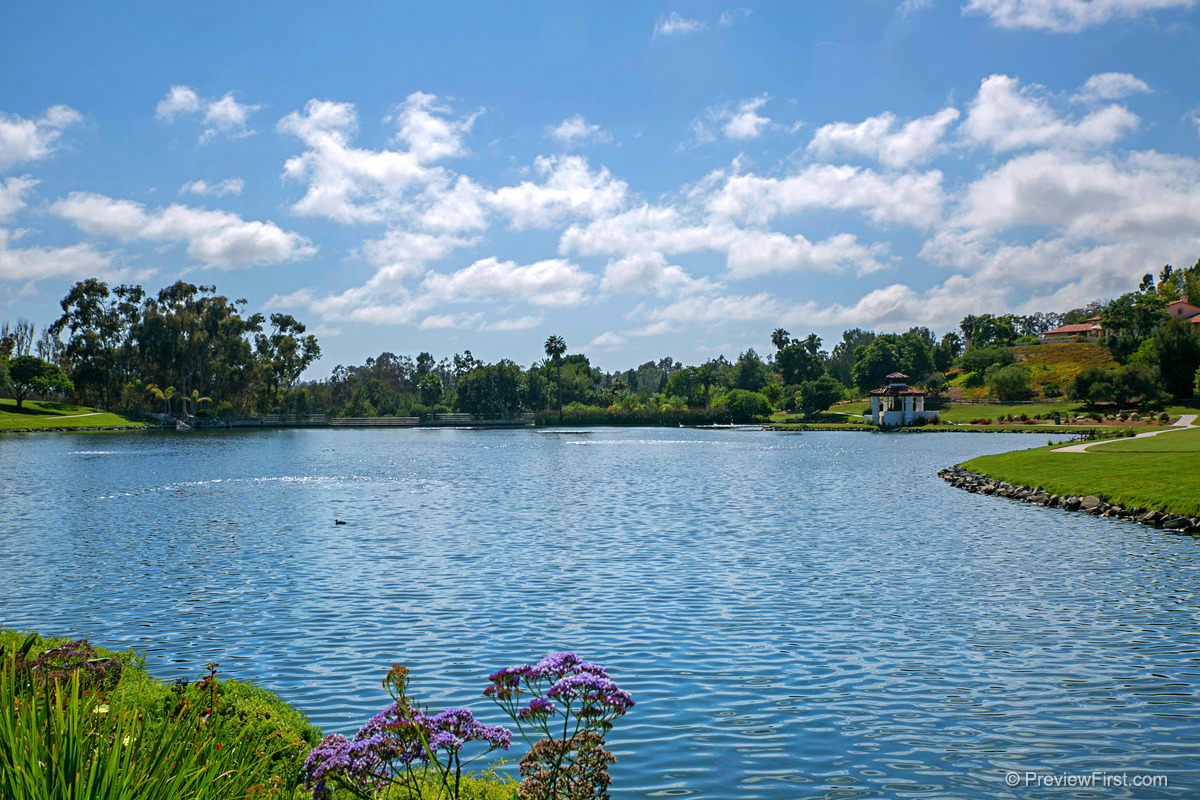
[{"x": 796, "y": 615}]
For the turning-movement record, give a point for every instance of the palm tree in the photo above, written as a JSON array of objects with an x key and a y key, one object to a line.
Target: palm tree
[
  {"x": 163, "y": 394},
  {"x": 430, "y": 387},
  {"x": 197, "y": 399},
  {"x": 706, "y": 373},
  {"x": 555, "y": 347},
  {"x": 812, "y": 343},
  {"x": 780, "y": 338}
]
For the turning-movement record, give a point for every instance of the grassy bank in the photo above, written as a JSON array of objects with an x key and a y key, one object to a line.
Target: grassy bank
[
  {"x": 78, "y": 720},
  {"x": 1155, "y": 473},
  {"x": 48, "y": 415}
]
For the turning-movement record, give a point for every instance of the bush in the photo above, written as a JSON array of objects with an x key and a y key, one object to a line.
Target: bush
[
  {"x": 979, "y": 359},
  {"x": 1012, "y": 382},
  {"x": 746, "y": 406},
  {"x": 241, "y": 711},
  {"x": 60, "y": 739}
]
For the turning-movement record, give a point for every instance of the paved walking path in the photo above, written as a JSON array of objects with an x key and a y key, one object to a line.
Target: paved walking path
[
  {"x": 68, "y": 416},
  {"x": 1184, "y": 422}
]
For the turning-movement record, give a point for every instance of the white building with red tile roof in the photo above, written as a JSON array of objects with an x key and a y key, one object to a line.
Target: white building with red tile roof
[{"x": 898, "y": 404}]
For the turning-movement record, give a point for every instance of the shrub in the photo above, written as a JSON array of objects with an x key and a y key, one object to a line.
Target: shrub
[
  {"x": 59, "y": 739},
  {"x": 1012, "y": 382}
]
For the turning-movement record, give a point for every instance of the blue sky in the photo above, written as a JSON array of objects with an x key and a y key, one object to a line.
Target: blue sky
[{"x": 643, "y": 179}]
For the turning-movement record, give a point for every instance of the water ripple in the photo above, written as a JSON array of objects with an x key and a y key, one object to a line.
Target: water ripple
[{"x": 806, "y": 615}]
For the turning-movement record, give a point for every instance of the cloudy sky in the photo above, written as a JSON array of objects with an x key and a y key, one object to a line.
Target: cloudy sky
[{"x": 643, "y": 179}]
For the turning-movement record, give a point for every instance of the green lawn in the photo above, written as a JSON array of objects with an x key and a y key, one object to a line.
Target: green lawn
[
  {"x": 1186, "y": 441},
  {"x": 962, "y": 412},
  {"x": 47, "y": 415},
  {"x": 1163, "y": 478}
]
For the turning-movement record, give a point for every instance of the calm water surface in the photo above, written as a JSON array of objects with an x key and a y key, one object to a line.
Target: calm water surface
[{"x": 810, "y": 615}]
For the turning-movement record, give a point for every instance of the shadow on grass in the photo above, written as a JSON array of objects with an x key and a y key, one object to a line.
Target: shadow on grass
[{"x": 47, "y": 408}]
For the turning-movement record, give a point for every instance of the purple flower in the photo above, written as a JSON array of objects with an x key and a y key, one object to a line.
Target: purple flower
[
  {"x": 558, "y": 665},
  {"x": 538, "y": 707}
]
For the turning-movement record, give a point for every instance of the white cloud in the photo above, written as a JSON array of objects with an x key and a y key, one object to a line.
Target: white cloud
[
  {"x": 555, "y": 282},
  {"x": 514, "y": 323},
  {"x": 909, "y": 7},
  {"x": 348, "y": 184},
  {"x": 1063, "y": 16},
  {"x": 911, "y": 198},
  {"x": 215, "y": 238},
  {"x": 577, "y": 132},
  {"x": 428, "y": 134},
  {"x": 674, "y": 24},
  {"x": 696, "y": 311},
  {"x": 1111, "y": 86},
  {"x": 732, "y": 121},
  {"x": 729, "y": 17},
  {"x": 35, "y": 263},
  {"x": 450, "y": 321},
  {"x": 569, "y": 189},
  {"x": 223, "y": 115},
  {"x": 1005, "y": 116},
  {"x": 218, "y": 189},
  {"x": 12, "y": 193},
  {"x": 33, "y": 139},
  {"x": 638, "y": 273},
  {"x": 883, "y": 139},
  {"x": 178, "y": 101},
  {"x": 606, "y": 341},
  {"x": 401, "y": 254},
  {"x": 1148, "y": 195},
  {"x": 753, "y": 253}
]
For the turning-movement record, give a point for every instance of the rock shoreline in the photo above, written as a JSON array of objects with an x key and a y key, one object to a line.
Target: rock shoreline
[{"x": 1088, "y": 504}]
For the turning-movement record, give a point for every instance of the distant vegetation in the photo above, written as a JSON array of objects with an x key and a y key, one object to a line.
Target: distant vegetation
[{"x": 189, "y": 351}]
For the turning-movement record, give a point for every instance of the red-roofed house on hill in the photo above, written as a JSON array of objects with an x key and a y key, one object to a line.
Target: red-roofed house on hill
[
  {"x": 1089, "y": 331},
  {"x": 898, "y": 404},
  {"x": 1182, "y": 309}
]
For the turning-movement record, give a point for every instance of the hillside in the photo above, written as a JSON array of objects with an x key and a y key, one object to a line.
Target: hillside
[{"x": 1052, "y": 365}]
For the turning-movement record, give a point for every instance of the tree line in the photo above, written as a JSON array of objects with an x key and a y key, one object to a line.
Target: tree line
[
  {"x": 185, "y": 349},
  {"x": 190, "y": 350}
]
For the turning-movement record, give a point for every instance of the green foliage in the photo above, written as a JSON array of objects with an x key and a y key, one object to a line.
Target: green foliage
[
  {"x": 796, "y": 365},
  {"x": 1175, "y": 352},
  {"x": 241, "y": 711},
  {"x": 746, "y": 406},
  {"x": 840, "y": 364},
  {"x": 28, "y": 374},
  {"x": 60, "y": 742},
  {"x": 1011, "y": 382},
  {"x": 985, "y": 330},
  {"x": 492, "y": 390},
  {"x": 979, "y": 359},
  {"x": 819, "y": 395},
  {"x": 909, "y": 353},
  {"x": 750, "y": 372}
]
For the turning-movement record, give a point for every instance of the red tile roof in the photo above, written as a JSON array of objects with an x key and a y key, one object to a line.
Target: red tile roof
[{"x": 1081, "y": 328}]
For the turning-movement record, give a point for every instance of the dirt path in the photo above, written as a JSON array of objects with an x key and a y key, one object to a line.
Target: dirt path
[{"x": 1185, "y": 422}]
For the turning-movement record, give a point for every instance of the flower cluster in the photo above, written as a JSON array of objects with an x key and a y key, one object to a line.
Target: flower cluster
[
  {"x": 569, "y": 762},
  {"x": 385, "y": 749}
]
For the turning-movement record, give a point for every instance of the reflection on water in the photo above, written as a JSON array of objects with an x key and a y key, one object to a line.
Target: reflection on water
[{"x": 796, "y": 616}]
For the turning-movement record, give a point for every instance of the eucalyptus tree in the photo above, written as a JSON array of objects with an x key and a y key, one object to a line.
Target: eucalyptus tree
[{"x": 555, "y": 347}]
